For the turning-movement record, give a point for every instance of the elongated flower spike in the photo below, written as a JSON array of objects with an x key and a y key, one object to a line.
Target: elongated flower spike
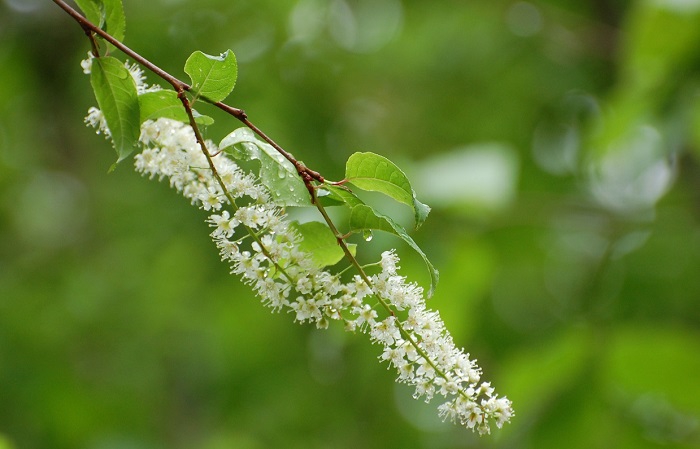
[
  {"x": 255, "y": 237},
  {"x": 269, "y": 252}
]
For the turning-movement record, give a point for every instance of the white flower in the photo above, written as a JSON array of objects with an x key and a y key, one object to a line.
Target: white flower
[
  {"x": 228, "y": 249},
  {"x": 224, "y": 224},
  {"x": 149, "y": 132},
  {"x": 386, "y": 331},
  {"x": 424, "y": 388},
  {"x": 425, "y": 369},
  {"x": 389, "y": 262},
  {"x": 405, "y": 371},
  {"x": 366, "y": 316},
  {"x": 86, "y": 64},
  {"x": 486, "y": 389},
  {"x": 96, "y": 119},
  {"x": 210, "y": 199},
  {"x": 474, "y": 415},
  {"x": 360, "y": 287},
  {"x": 395, "y": 355},
  {"x": 139, "y": 78}
]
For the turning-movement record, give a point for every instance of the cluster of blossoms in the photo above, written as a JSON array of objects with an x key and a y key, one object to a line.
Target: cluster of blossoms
[{"x": 255, "y": 237}]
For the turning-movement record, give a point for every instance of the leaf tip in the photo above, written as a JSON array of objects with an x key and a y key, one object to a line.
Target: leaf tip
[{"x": 434, "y": 279}]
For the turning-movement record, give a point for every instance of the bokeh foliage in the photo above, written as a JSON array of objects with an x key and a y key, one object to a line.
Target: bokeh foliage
[{"x": 557, "y": 142}]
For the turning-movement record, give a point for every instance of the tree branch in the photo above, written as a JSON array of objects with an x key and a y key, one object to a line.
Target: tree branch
[{"x": 179, "y": 85}]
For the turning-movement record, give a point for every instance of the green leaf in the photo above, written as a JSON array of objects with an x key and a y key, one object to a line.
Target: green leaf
[
  {"x": 364, "y": 218},
  {"x": 92, "y": 9},
  {"x": 164, "y": 103},
  {"x": 108, "y": 15},
  {"x": 115, "y": 91},
  {"x": 115, "y": 20},
  {"x": 342, "y": 195},
  {"x": 369, "y": 171},
  {"x": 213, "y": 77},
  {"x": 320, "y": 242},
  {"x": 327, "y": 199},
  {"x": 276, "y": 172}
]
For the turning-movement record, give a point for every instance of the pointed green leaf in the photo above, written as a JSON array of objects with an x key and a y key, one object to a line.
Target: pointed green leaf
[
  {"x": 164, "y": 103},
  {"x": 363, "y": 218},
  {"x": 342, "y": 195},
  {"x": 106, "y": 14},
  {"x": 369, "y": 171},
  {"x": 328, "y": 199},
  {"x": 276, "y": 172},
  {"x": 115, "y": 20},
  {"x": 320, "y": 242},
  {"x": 92, "y": 10},
  {"x": 115, "y": 91},
  {"x": 213, "y": 77}
]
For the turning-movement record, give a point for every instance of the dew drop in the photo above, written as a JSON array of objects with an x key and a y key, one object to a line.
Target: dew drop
[{"x": 367, "y": 235}]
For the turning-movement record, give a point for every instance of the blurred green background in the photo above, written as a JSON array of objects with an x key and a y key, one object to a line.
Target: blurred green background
[{"x": 558, "y": 142}]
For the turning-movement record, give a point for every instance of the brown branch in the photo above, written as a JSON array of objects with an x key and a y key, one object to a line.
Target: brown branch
[{"x": 91, "y": 29}]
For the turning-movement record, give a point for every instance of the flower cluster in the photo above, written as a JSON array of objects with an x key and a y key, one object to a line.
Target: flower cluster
[{"x": 255, "y": 237}]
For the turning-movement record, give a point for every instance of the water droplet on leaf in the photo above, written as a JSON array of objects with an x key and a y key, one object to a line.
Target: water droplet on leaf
[{"x": 367, "y": 235}]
